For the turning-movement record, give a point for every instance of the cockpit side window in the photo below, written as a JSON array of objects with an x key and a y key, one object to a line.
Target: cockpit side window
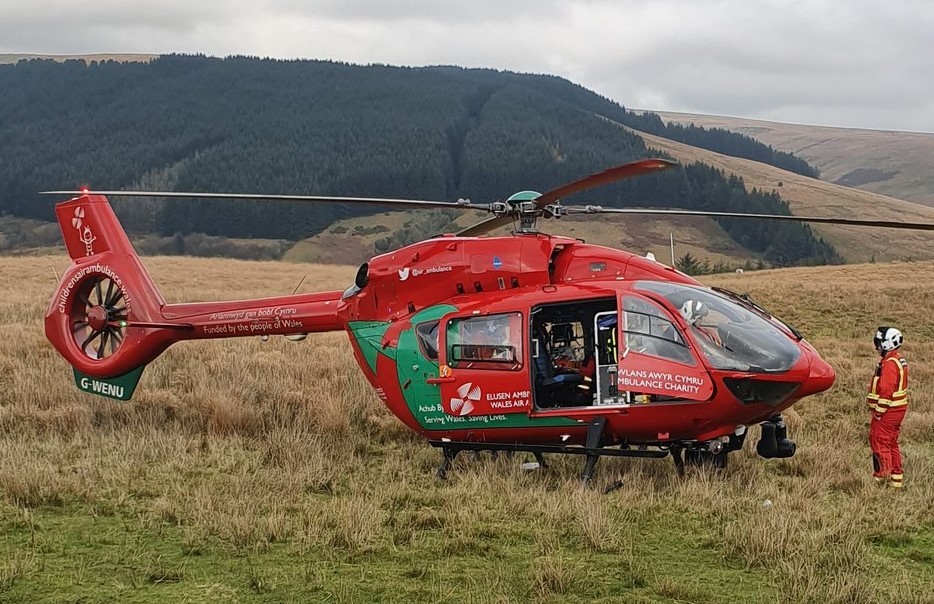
[
  {"x": 648, "y": 330},
  {"x": 428, "y": 339}
]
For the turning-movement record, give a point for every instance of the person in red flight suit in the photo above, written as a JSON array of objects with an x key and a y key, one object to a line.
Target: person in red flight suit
[{"x": 887, "y": 398}]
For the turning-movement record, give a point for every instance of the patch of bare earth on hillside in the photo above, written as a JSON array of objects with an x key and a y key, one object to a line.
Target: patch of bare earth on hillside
[{"x": 864, "y": 176}]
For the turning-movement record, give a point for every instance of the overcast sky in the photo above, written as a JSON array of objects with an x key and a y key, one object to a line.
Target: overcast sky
[{"x": 851, "y": 63}]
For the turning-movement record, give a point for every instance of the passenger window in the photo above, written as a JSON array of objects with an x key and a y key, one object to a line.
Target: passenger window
[{"x": 490, "y": 342}]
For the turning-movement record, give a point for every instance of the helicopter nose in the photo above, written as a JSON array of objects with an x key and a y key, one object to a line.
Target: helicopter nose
[{"x": 821, "y": 375}]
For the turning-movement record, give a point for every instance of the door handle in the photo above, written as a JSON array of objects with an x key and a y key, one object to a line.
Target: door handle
[{"x": 440, "y": 380}]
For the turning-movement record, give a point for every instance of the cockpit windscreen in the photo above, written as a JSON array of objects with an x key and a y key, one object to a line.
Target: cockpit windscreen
[{"x": 731, "y": 336}]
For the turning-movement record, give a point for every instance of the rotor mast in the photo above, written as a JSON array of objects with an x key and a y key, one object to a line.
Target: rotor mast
[{"x": 525, "y": 208}]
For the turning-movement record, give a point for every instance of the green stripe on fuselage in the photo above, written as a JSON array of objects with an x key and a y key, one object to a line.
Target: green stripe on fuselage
[
  {"x": 414, "y": 368},
  {"x": 424, "y": 399},
  {"x": 369, "y": 335}
]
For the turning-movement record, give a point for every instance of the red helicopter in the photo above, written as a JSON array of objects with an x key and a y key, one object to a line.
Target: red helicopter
[{"x": 528, "y": 342}]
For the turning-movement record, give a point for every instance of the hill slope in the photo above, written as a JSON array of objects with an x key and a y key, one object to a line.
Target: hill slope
[
  {"x": 250, "y": 125},
  {"x": 354, "y": 240},
  {"x": 897, "y": 164},
  {"x": 700, "y": 237},
  {"x": 811, "y": 197}
]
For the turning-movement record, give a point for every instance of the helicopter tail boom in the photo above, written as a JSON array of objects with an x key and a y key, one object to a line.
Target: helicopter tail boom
[{"x": 108, "y": 319}]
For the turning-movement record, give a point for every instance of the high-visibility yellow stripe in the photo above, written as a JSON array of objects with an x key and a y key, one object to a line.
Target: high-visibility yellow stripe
[
  {"x": 882, "y": 408},
  {"x": 902, "y": 385},
  {"x": 886, "y": 403},
  {"x": 899, "y": 397}
]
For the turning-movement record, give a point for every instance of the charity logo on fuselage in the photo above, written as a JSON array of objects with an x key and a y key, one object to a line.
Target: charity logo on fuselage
[
  {"x": 467, "y": 395},
  {"x": 85, "y": 234},
  {"x": 78, "y": 217}
]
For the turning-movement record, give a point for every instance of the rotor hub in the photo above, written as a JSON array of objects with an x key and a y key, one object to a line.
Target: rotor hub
[
  {"x": 97, "y": 313},
  {"x": 97, "y": 317}
]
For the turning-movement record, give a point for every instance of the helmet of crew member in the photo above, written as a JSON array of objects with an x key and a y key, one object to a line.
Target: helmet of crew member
[
  {"x": 693, "y": 311},
  {"x": 887, "y": 339}
]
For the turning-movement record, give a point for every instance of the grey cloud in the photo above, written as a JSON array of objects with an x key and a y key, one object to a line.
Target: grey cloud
[{"x": 847, "y": 63}]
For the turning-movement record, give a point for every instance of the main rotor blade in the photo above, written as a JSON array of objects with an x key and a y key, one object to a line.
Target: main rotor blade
[
  {"x": 460, "y": 205},
  {"x": 636, "y": 168},
  {"x": 485, "y": 226},
  {"x": 889, "y": 224}
]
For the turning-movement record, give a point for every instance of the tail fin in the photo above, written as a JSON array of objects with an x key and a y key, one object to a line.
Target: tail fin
[
  {"x": 109, "y": 320},
  {"x": 107, "y": 285},
  {"x": 90, "y": 228}
]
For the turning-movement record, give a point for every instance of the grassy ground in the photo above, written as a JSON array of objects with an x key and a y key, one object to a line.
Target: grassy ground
[{"x": 246, "y": 471}]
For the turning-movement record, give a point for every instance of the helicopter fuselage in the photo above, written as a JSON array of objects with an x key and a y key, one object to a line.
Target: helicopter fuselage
[
  {"x": 526, "y": 341},
  {"x": 413, "y": 317}
]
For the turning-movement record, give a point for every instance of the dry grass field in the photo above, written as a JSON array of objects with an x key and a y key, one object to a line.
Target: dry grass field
[{"x": 246, "y": 471}]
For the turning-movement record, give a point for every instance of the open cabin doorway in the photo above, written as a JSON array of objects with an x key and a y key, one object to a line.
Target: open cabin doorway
[{"x": 566, "y": 352}]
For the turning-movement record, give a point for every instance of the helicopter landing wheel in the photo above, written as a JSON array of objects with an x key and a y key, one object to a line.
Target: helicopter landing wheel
[
  {"x": 540, "y": 459},
  {"x": 448, "y": 456},
  {"x": 697, "y": 458},
  {"x": 97, "y": 315},
  {"x": 675, "y": 451},
  {"x": 613, "y": 487}
]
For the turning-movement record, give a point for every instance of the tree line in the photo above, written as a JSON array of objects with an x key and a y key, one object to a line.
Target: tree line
[{"x": 252, "y": 125}]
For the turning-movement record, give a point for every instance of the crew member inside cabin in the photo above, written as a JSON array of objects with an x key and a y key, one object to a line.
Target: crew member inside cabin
[
  {"x": 493, "y": 338},
  {"x": 887, "y": 398},
  {"x": 499, "y": 340}
]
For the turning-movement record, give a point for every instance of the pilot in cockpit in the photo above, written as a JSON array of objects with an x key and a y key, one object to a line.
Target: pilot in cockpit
[{"x": 695, "y": 314}]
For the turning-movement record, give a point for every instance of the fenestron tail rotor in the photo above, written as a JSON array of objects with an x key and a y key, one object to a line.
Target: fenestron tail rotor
[{"x": 98, "y": 317}]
